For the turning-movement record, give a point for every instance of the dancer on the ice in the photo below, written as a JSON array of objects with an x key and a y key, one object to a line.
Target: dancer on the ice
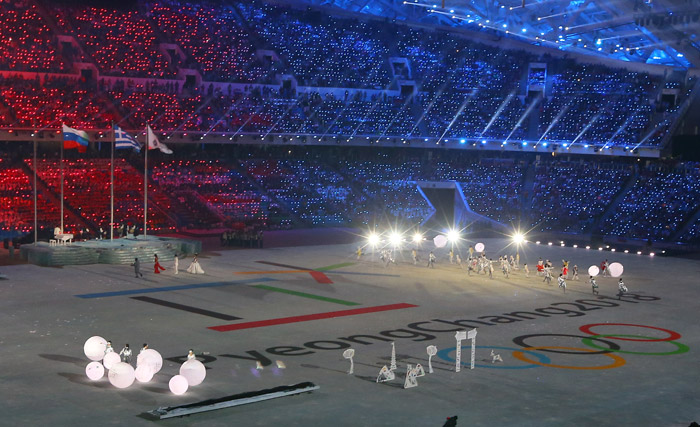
[
  {"x": 157, "y": 268},
  {"x": 458, "y": 260},
  {"x": 176, "y": 264},
  {"x": 594, "y": 285},
  {"x": 137, "y": 268},
  {"x": 431, "y": 260},
  {"x": 194, "y": 267},
  {"x": 547, "y": 275},
  {"x": 604, "y": 267},
  {"x": 144, "y": 348},
  {"x": 565, "y": 268},
  {"x": 621, "y": 288},
  {"x": 190, "y": 355},
  {"x": 414, "y": 255},
  {"x": 562, "y": 283},
  {"x": 489, "y": 265},
  {"x": 527, "y": 270},
  {"x": 452, "y": 256},
  {"x": 506, "y": 270},
  {"x": 540, "y": 266},
  {"x": 575, "y": 276},
  {"x": 125, "y": 354},
  {"x": 359, "y": 252}
]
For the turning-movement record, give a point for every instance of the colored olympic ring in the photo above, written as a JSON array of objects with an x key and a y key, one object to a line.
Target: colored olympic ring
[
  {"x": 444, "y": 355},
  {"x": 611, "y": 345},
  {"x": 681, "y": 348},
  {"x": 617, "y": 360},
  {"x": 672, "y": 334}
]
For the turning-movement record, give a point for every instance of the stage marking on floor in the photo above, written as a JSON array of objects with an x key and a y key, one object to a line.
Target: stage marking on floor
[
  {"x": 309, "y": 317},
  {"x": 305, "y": 295},
  {"x": 174, "y": 288},
  {"x": 318, "y": 274},
  {"x": 186, "y": 308},
  {"x": 335, "y": 266}
]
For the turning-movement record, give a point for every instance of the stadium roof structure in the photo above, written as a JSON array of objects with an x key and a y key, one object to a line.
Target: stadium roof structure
[{"x": 663, "y": 32}]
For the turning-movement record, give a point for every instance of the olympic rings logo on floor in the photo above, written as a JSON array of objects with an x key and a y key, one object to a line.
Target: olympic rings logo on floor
[{"x": 607, "y": 345}]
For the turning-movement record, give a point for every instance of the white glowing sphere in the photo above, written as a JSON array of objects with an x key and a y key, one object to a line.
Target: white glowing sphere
[
  {"x": 111, "y": 359},
  {"x": 178, "y": 384},
  {"x": 440, "y": 241},
  {"x": 616, "y": 269},
  {"x": 121, "y": 375},
  {"x": 95, "y": 371},
  {"x": 151, "y": 358},
  {"x": 94, "y": 348},
  {"x": 593, "y": 270},
  {"x": 143, "y": 373},
  {"x": 479, "y": 247},
  {"x": 194, "y": 371}
]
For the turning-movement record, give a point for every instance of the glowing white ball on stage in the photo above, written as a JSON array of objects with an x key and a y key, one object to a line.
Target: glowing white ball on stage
[
  {"x": 143, "y": 373},
  {"x": 194, "y": 371},
  {"x": 593, "y": 270},
  {"x": 151, "y": 358},
  {"x": 616, "y": 269},
  {"x": 440, "y": 241},
  {"x": 121, "y": 375},
  {"x": 95, "y": 371},
  {"x": 178, "y": 384},
  {"x": 479, "y": 247},
  {"x": 111, "y": 359},
  {"x": 94, "y": 348}
]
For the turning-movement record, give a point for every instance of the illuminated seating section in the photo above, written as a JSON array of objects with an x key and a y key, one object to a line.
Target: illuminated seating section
[
  {"x": 122, "y": 42},
  {"x": 314, "y": 192},
  {"x": 692, "y": 234},
  {"x": 388, "y": 196},
  {"x": 87, "y": 191},
  {"x": 57, "y": 100},
  {"x": 212, "y": 35},
  {"x": 466, "y": 89},
  {"x": 215, "y": 184},
  {"x": 569, "y": 196},
  {"x": 657, "y": 205},
  {"x": 17, "y": 199},
  {"x": 322, "y": 51},
  {"x": 491, "y": 187},
  {"x": 26, "y": 41}
]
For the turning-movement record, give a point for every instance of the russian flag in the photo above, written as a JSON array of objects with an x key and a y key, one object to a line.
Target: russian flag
[{"x": 73, "y": 138}]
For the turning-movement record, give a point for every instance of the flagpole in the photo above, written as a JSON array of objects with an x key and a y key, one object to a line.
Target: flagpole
[
  {"x": 145, "y": 184},
  {"x": 111, "y": 187},
  {"x": 35, "y": 167},
  {"x": 62, "y": 144}
]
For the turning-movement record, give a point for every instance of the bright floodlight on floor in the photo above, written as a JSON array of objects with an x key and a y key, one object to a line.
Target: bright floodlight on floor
[
  {"x": 373, "y": 239},
  {"x": 417, "y": 238},
  {"x": 395, "y": 238},
  {"x": 518, "y": 238},
  {"x": 453, "y": 236}
]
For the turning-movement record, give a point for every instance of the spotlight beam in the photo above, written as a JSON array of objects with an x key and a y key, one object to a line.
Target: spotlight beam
[
  {"x": 522, "y": 117},
  {"x": 554, "y": 122},
  {"x": 498, "y": 112}
]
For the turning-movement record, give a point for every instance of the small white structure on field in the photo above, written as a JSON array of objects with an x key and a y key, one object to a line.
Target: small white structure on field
[
  {"x": 348, "y": 354},
  {"x": 432, "y": 351},
  {"x": 385, "y": 374}
]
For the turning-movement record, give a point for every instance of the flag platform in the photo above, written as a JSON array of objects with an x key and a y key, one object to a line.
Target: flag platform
[{"x": 117, "y": 251}]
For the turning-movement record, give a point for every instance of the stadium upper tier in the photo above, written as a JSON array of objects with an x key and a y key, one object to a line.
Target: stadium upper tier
[{"x": 251, "y": 67}]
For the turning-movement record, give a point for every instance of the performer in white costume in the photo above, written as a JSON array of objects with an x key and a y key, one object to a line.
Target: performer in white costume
[{"x": 194, "y": 267}]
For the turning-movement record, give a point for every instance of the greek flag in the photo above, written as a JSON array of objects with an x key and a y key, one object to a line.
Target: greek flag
[{"x": 124, "y": 140}]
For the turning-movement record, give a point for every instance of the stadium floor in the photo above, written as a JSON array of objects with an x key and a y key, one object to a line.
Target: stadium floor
[{"x": 48, "y": 313}]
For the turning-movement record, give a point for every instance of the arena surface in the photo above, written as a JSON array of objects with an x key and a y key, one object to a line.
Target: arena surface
[{"x": 48, "y": 313}]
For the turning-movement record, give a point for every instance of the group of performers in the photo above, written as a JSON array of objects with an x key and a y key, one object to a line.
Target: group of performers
[
  {"x": 194, "y": 267},
  {"x": 479, "y": 263}
]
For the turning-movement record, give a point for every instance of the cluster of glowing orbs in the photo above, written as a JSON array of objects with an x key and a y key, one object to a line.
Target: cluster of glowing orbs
[
  {"x": 121, "y": 375},
  {"x": 593, "y": 270},
  {"x": 95, "y": 371},
  {"x": 479, "y": 247},
  {"x": 151, "y": 358},
  {"x": 194, "y": 371},
  {"x": 616, "y": 269},
  {"x": 178, "y": 384},
  {"x": 111, "y": 359},
  {"x": 95, "y": 347},
  {"x": 440, "y": 241},
  {"x": 143, "y": 373}
]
